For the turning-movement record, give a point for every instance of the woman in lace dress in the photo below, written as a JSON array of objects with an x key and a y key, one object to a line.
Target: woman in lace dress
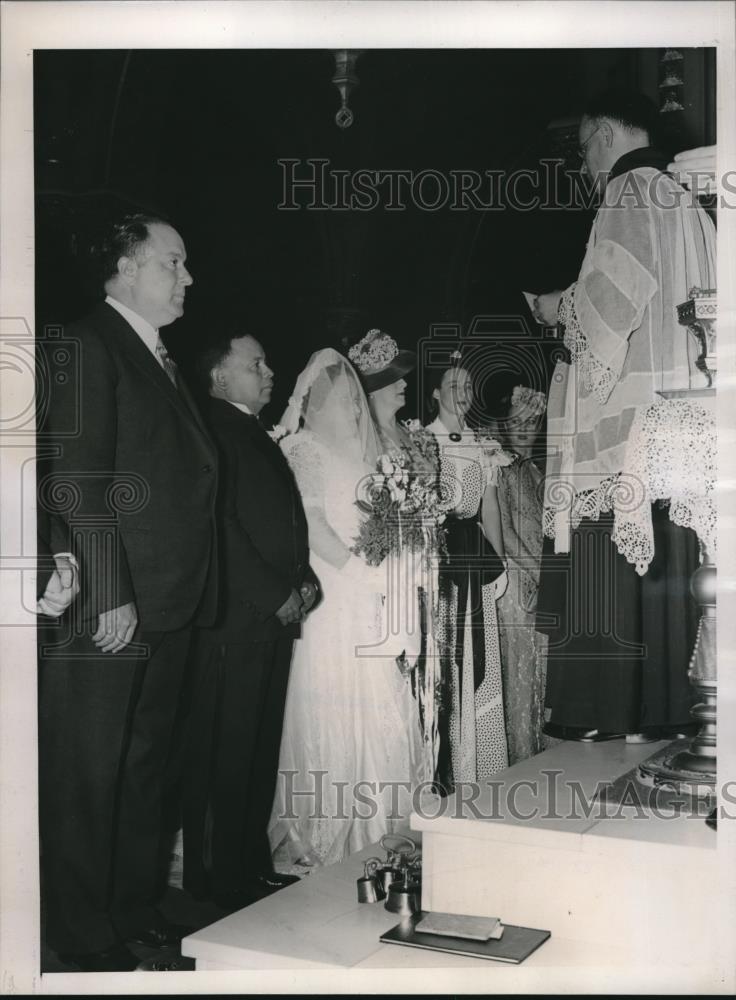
[
  {"x": 523, "y": 649},
  {"x": 472, "y": 579},
  {"x": 351, "y": 720}
]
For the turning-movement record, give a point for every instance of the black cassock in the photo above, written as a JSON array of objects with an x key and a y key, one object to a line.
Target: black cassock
[{"x": 619, "y": 643}]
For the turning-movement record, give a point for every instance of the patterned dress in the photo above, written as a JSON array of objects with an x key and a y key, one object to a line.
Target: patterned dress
[
  {"x": 468, "y": 636},
  {"x": 523, "y": 649}
]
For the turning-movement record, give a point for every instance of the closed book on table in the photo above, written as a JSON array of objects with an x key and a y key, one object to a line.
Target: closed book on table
[
  {"x": 461, "y": 925},
  {"x": 516, "y": 944}
]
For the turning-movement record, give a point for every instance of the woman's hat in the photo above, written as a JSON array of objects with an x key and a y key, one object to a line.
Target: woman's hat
[
  {"x": 526, "y": 403},
  {"x": 379, "y": 361}
]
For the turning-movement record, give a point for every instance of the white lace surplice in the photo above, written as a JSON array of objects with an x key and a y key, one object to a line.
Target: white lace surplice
[
  {"x": 650, "y": 244},
  {"x": 351, "y": 721}
]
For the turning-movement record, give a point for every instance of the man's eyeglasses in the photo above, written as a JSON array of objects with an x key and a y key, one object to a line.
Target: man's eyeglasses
[{"x": 583, "y": 146}]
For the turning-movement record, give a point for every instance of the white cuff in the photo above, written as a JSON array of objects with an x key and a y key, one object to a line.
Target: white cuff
[{"x": 68, "y": 555}]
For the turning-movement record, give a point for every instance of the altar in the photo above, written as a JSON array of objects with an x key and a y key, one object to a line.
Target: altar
[
  {"x": 542, "y": 847},
  {"x": 621, "y": 893}
]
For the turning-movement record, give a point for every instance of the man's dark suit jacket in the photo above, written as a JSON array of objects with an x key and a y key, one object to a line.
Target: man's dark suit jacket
[
  {"x": 242, "y": 664},
  {"x": 263, "y": 550},
  {"x": 135, "y": 457},
  {"x": 134, "y": 484}
]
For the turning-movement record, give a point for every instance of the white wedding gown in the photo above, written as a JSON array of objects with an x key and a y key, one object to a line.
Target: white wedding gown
[{"x": 351, "y": 747}]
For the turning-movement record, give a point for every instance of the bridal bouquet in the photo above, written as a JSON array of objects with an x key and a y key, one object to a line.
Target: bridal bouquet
[{"x": 403, "y": 508}]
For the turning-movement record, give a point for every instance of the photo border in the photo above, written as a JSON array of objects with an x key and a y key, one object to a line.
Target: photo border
[{"x": 379, "y": 24}]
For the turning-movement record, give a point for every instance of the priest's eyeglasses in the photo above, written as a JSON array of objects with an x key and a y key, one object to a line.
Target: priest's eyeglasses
[{"x": 584, "y": 145}]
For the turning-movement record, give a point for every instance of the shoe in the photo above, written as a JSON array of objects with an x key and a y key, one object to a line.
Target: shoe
[
  {"x": 115, "y": 959},
  {"x": 161, "y": 935},
  {"x": 274, "y": 881},
  {"x": 164, "y": 962},
  {"x": 593, "y": 736},
  {"x": 578, "y": 733},
  {"x": 641, "y": 738},
  {"x": 260, "y": 886},
  {"x": 234, "y": 900},
  {"x": 255, "y": 887}
]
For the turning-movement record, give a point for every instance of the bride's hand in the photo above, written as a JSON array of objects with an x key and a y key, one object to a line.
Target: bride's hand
[
  {"x": 501, "y": 585},
  {"x": 308, "y": 593}
]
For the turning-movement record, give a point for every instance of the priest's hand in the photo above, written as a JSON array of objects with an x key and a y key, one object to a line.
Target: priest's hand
[
  {"x": 546, "y": 306},
  {"x": 291, "y": 610},
  {"x": 116, "y": 628},
  {"x": 696, "y": 169}
]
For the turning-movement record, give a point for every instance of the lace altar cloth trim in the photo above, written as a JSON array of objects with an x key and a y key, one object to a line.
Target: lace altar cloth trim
[
  {"x": 671, "y": 457},
  {"x": 596, "y": 377}
]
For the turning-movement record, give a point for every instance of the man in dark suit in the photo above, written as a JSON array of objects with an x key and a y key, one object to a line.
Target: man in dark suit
[
  {"x": 134, "y": 483},
  {"x": 242, "y": 664}
]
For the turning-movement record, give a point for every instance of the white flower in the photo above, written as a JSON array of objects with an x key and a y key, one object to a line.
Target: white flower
[
  {"x": 395, "y": 491},
  {"x": 502, "y": 457},
  {"x": 529, "y": 400},
  {"x": 277, "y": 432}
]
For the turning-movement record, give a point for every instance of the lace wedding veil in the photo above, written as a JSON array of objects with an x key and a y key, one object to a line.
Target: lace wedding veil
[{"x": 329, "y": 401}]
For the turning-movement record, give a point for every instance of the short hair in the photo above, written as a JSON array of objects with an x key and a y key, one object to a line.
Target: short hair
[
  {"x": 628, "y": 108},
  {"x": 213, "y": 354},
  {"x": 432, "y": 376},
  {"x": 124, "y": 238}
]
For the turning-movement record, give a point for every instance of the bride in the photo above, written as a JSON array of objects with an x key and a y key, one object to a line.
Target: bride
[{"x": 351, "y": 744}]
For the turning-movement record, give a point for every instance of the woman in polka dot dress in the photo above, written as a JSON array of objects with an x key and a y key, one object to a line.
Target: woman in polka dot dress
[{"x": 472, "y": 579}]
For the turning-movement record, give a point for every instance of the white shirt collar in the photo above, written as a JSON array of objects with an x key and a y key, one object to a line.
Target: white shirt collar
[
  {"x": 437, "y": 427},
  {"x": 242, "y": 407},
  {"x": 147, "y": 333}
]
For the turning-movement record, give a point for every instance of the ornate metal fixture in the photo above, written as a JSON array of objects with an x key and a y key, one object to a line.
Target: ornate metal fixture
[
  {"x": 346, "y": 80},
  {"x": 698, "y": 314}
]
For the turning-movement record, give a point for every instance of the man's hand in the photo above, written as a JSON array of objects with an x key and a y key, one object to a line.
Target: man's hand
[
  {"x": 62, "y": 588},
  {"x": 291, "y": 610},
  {"x": 116, "y": 628},
  {"x": 696, "y": 169},
  {"x": 546, "y": 306},
  {"x": 308, "y": 593}
]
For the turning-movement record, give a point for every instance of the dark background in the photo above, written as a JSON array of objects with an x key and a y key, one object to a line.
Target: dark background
[{"x": 196, "y": 135}]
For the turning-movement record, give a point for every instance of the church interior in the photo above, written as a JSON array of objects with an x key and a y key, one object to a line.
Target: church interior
[{"x": 225, "y": 134}]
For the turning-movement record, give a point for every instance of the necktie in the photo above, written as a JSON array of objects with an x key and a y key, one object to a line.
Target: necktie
[{"x": 167, "y": 362}]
